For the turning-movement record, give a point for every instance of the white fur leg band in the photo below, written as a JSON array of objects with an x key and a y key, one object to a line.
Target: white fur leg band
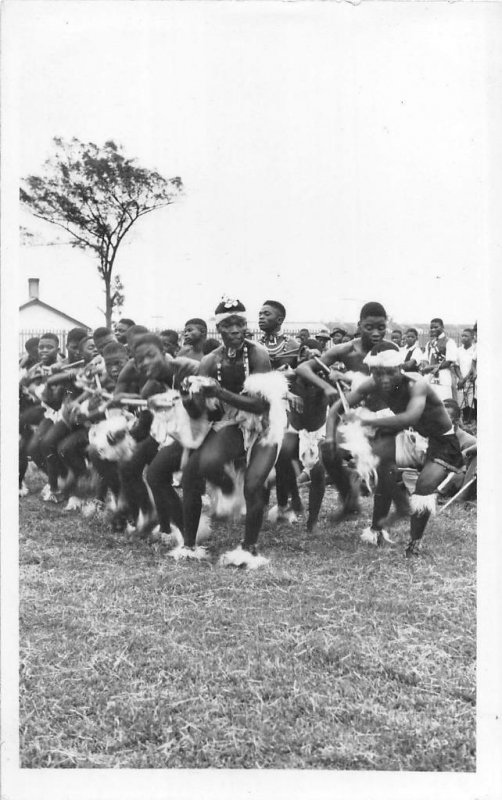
[
  {"x": 423, "y": 504},
  {"x": 242, "y": 558}
]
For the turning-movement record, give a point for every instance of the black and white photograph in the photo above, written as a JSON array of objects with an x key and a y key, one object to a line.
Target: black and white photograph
[{"x": 246, "y": 247}]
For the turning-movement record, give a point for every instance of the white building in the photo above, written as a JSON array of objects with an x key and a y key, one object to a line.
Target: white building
[{"x": 37, "y": 317}]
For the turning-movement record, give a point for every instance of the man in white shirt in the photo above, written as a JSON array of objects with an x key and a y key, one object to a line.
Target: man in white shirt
[
  {"x": 464, "y": 369},
  {"x": 439, "y": 358},
  {"x": 411, "y": 351}
]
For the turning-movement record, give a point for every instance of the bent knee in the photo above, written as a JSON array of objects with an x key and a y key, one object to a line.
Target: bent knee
[
  {"x": 317, "y": 473},
  {"x": 254, "y": 488},
  {"x": 209, "y": 465},
  {"x": 428, "y": 486}
]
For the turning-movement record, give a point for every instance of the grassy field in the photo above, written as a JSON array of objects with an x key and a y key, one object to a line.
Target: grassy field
[{"x": 336, "y": 656}]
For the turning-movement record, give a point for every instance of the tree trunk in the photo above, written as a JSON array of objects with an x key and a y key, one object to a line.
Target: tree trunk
[{"x": 108, "y": 299}]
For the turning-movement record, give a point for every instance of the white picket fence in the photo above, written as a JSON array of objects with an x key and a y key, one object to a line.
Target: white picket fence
[{"x": 212, "y": 333}]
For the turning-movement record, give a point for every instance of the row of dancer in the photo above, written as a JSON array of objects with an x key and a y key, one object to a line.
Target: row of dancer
[{"x": 230, "y": 418}]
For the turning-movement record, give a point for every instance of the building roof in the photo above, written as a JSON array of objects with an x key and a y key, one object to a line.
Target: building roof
[{"x": 41, "y": 304}]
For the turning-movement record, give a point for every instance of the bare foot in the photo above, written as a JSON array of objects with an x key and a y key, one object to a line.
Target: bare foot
[{"x": 395, "y": 516}]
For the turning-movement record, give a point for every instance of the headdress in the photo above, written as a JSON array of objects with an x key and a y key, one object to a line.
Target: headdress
[{"x": 229, "y": 307}]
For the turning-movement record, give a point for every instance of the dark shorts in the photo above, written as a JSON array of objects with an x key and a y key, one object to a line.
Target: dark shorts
[{"x": 445, "y": 450}]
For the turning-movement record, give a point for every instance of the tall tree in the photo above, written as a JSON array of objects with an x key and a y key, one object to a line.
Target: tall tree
[{"x": 96, "y": 195}]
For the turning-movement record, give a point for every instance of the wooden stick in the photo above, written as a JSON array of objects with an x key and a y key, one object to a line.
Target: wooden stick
[
  {"x": 322, "y": 365},
  {"x": 72, "y": 366},
  {"x": 446, "y": 481},
  {"x": 327, "y": 370},
  {"x": 460, "y": 491},
  {"x": 345, "y": 405},
  {"x": 136, "y": 402}
]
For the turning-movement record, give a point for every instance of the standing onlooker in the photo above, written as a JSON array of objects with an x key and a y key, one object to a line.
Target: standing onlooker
[
  {"x": 411, "y": 351},
  {"x": 337, "y": 335},
  {"x": 194, "y": 338},
  {"x": 31, "y": 358},
  {"x": 170, "y": 341},
  {"x": 303, "y": 336},
  {"x": 323, "y": 338},
  {"x": 464, "y": 369},
  {"x": 439, "y": 357},
  {"x": 306, "y": 340},
  {"x": 396, "y": 336}
]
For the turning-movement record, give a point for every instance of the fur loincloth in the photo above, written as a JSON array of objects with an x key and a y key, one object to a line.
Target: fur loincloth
[
  {"x": 171, "y": 422},
  {"x": 355, "y": 438},
  {"x": 267, "y": 428},
  {"x": 111, "y": 437}
]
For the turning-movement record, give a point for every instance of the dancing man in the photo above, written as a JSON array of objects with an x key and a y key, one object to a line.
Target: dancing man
[
  {"x": 319, "y": 372},
  {"x": 284, "y": 352},
  {"x": 412, "y": 403},
  {"x": 247, "y": 425}
]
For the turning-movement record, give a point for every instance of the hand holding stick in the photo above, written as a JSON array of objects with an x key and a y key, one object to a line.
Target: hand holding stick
[{"x": 338, "y": 385}]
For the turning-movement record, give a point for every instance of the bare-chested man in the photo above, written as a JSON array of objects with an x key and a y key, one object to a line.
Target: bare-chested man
[{"x": 372, "y": 327}]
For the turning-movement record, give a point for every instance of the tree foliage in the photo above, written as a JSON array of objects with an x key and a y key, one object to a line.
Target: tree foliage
[{"x": 96, "y": 195}]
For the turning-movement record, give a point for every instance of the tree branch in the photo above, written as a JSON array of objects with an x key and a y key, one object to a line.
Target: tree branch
[{"x": 68, "y": 230}]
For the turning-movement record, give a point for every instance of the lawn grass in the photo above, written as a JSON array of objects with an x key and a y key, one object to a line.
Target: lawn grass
[{"x": 336, "y": 656}]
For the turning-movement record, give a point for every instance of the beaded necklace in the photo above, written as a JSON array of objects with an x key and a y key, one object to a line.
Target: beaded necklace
[
  {"x": 274, "y": 343},
  {"x": 245, "y": 354}
]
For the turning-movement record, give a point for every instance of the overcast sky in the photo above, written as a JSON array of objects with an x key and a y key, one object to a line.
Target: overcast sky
[{"x": 331, "y": 154}]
